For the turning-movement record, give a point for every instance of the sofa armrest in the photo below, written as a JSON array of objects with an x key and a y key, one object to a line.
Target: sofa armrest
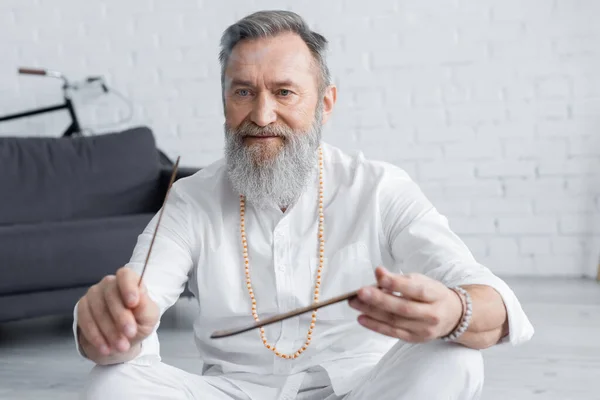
[
  {"x": 165, "y": 176},
  {"x": 182, "y": 172}
]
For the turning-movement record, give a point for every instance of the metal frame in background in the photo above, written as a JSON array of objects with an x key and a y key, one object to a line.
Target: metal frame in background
[{"x": 74, "y": 129}]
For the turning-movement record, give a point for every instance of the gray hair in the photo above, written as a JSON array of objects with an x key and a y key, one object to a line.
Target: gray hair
[{"x": 264, "y": 24}]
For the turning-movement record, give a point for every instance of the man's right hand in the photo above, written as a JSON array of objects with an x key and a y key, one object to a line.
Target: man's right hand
[{"x": 115, "y": 315}]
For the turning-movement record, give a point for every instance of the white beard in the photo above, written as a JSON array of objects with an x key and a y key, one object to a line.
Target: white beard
[{"x": 280, "y": 180}]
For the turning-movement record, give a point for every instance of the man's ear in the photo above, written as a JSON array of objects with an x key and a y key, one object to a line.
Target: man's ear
[{"x": 329, "y": 99}]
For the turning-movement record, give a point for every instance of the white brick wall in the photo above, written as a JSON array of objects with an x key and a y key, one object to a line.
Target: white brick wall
[{"x": 493, "y": 106}]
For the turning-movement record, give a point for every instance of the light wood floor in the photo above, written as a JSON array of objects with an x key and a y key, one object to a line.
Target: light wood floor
[{"x": 562, "y": 362}]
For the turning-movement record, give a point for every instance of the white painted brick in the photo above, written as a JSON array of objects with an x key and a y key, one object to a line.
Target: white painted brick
[
  {"x": 352, "y": 8},
  {"x": 445, "y": 134},
  {"x": 532, "y": 187},
  {"x": 502, "y": 206},
  {"x": 534, "y": 69},
  {"x": 510, "y": 265},
  {"x": 454, "y": 94},
  {"x": 570, "y": 128},
  {"x": 527, "y": 225},
  {"x": 587, "y": 85},
  {"x": 587, "y": 185},
  {"x": 461, "y": 13},
  {"x": 531, "y": 48},
  {"x": 474, "y": 114},
  {"x": 378, "y": 154},
  {"x": 427, "y": 95},
  {"x": 554, "y": 88},
  {"x": 120, "y": 8},
  {"x": 163, "y": 58},
  {"x": 200, "y": 93},
  {"x": 568, "y": 245},
  {"x": 468, "y": 74},
  {"x": 506, "y": 169},
  {"x": 519, "y": 90},
  {"x": 578, "y": 224},
  {"x": 561, "y": 204},
  {"x": 584, "y": 146},
  {"x": 153, "y": 23},
  {"x": 526, "y": 148},
  {"x": 348, "y": 60},
  {"x": 88, "y": 12},
  {"x": 369, "y": 118},
  {"x": 473, "y": 188},
  {"x": 361, "y": 78},
  {"x": 473, "y": 150},
  {"x": 425, "y": 119},
  {"x": 578, "y": 45},
  {"x": 183, "y": 72},
  {"x": 569, "y": 167},
  {"x": 539, "y": 110},
  {"x": 357, "y": 40},
  {"x": 472, "y": 226},
  {"x": 486, "y": 92},
  {"x": 448, "y": 55},
  {"x": 418, "y": 152},
  {"x": 366, "y": 98},
  {"x": 553, "y": 265},
  {"x": 484, "y": 30},
  {"x": 507, "y": 129},
  {"x": 503, "y": 247},
  {"x": 585, "y": 108},
  {"x": 511, "y": 10},
  {"x": 534, "y": 245},
  {"x": 445, "y": 170},
  {"x": 177, "y": 6}
]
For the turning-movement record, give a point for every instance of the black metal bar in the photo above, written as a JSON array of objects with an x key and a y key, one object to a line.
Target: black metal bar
[
  {"x": 74, "y": 128},
  {"x": 71, "y": 130},
  {"x": 35, "y": 112}
]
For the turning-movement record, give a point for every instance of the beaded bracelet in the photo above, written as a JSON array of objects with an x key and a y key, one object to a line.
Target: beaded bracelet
[{"x": 465, "y": 318}]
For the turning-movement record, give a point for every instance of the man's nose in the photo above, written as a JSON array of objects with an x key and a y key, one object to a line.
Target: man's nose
[{"x": 263, "y": 110}]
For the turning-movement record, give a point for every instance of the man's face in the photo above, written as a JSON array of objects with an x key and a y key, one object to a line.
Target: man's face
[{"x": 271, "y": 91}]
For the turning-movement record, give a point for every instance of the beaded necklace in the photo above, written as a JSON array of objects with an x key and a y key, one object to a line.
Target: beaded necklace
[{"x": 317, "y": 283}]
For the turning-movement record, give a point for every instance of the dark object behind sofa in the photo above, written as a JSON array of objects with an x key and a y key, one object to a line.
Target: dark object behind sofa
[{"x": 71, "y": 210}]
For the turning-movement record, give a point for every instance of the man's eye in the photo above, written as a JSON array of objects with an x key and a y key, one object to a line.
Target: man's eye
[
  {"x": 285, "y": 92},
  {"x": 243, "y": 92}
]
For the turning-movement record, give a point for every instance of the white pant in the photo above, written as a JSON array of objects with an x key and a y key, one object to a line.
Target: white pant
[{"x": 432, "y": 371}]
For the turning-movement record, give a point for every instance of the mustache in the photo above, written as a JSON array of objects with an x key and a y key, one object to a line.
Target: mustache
[{"x": 251, "y": 129}]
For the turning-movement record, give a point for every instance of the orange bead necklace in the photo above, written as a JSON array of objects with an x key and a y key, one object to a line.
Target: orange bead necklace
[{"x": 317, "y": 283}]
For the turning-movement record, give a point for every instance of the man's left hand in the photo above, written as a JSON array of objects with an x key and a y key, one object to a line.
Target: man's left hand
[{"x": 426, "y": 309}]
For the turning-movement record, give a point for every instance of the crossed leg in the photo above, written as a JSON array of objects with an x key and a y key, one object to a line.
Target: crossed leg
[
  {"x": 156, "y": 381},
  {"x": 433, "y": 371}
]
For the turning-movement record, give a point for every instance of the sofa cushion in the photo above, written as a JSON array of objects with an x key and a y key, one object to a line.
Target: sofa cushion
[
  {"x": 60, "y": 255},
  {"x": 52, "y": 179}
]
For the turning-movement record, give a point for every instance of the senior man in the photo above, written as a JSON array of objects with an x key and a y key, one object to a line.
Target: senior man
[{"x": 283, "y": 220}]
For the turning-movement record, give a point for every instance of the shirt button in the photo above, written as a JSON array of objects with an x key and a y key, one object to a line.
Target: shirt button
[{"x": 281, "y": 267}]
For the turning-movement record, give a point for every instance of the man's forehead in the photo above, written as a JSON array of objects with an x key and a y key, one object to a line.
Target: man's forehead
[{"x": 285, "y": 53}]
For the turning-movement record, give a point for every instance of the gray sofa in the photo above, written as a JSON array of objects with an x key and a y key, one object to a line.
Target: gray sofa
[{"x": 70, "y": 212}]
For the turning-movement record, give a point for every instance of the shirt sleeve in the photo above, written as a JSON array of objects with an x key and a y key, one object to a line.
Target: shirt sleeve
[
  {"x": 421, "y": 241},
  {"x": 169, "y": 265}
]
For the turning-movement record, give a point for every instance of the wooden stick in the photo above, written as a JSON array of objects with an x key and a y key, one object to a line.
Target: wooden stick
[
  {"x": 281, "y": 317},
  {"x": 162, "y": 209}
]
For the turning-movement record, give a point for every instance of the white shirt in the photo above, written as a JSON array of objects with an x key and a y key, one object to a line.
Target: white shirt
[{"x": 374, "y": 215}]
